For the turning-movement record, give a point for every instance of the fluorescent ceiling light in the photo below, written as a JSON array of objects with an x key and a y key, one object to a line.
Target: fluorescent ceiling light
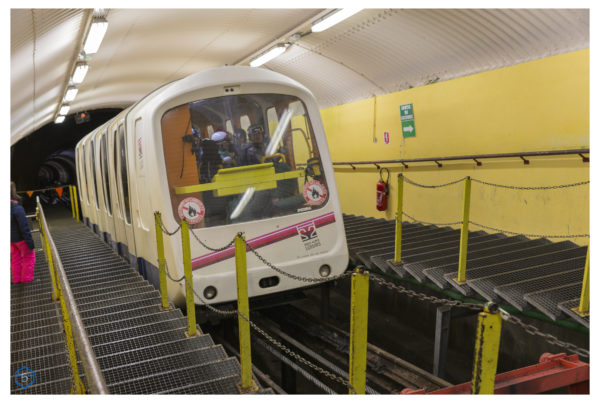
[
  {"x": 270, "y": 55},
  {"x": 95, "y": 36},
  {"x": 79, "y": 73},
  {"x": 71, "y": 94},
  {"x": 59, "y": 119},
  {"x": 64, "y": 110},
  {"x": 334, "y": 18}
]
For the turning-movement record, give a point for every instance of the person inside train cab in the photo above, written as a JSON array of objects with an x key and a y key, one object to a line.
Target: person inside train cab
[
  {"x": 223, "y": 140},
  {"x": 239, "y": 139},
  {"x": 210, "y": 163},
  {"x": 254, "y": 151},
  {"x": 22, "y": 255}
]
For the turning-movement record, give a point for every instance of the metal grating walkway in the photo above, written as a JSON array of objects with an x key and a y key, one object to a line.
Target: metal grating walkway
[
  {"x": 525, "y": 273},
  {"x": 140, "y": 348}
]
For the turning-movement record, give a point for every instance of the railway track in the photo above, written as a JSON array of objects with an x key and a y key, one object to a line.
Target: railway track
[{"x": 326, "y": 346}]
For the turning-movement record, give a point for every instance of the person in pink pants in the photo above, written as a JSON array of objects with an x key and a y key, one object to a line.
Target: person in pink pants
[{"x": 22, "y": 254}]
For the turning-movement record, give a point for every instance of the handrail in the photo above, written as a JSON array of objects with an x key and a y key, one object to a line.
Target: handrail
[
  {"x": 94, "y": 376},
  {"x": 474, "y": 157}
]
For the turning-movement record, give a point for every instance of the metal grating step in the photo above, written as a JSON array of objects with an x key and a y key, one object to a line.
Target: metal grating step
[
  {"x": 568, "y": 309},
  {"x": 33, "y": 342},
  {"x": 221, "y": 386},
  {"x": 547, "y": 301},
  {"x": 164, "y": 363},
  {"x": 134, "y": 322},
  {"x": 514, "y": 273},
  {"x": 58, "y": 387},
  {"x": 111, "y": 337},
  {"x": 182, "y": 377},
  {"x": 159, "y": 350},
  {"x": 24, "y": 356}
]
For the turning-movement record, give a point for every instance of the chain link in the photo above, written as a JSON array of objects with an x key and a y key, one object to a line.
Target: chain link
[
  {"x": 424, "y": 297},
  {"x": 431, "y": 223},
  {"x": 293, "y": 276},
  {"x": 433, "y": 186},
  {"x": 548, "y": 337},
  {"x": 530, "y": 235},
  {"x": 164, "y": 229},
  {"x": 531, "y": 187},
  {"x": 213, "y": 249}
]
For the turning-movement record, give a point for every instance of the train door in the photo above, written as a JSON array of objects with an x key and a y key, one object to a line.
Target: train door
[
  {"x": 124, "y": 192},
  {"x": 88, "y": 146},
  {"x": 97, "y": 185},
  {"x": 117, "y": 211},
  {"x": 107, "y": 195}
]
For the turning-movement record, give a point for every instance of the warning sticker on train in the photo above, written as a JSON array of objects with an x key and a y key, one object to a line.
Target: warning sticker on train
[
  {"x": 314, "y": 193},
  {"x": 192, "y": 210}
]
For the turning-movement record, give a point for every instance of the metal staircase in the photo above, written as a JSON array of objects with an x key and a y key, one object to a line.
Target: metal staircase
[
  {"x": 527, "y": 274},
  {"x": 140, "y": 348}
]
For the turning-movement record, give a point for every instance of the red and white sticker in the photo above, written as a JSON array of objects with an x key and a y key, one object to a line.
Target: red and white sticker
[
  {"x": 314, "y": 193},
  {"x": 192, "y": 210}
]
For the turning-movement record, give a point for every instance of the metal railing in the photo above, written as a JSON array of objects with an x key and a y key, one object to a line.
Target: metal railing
[
  {"x": 474, "y": 157},
  {"x": 74, "y": 327}
]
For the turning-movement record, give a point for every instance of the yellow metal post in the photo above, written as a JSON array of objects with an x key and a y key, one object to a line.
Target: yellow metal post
[
  {"x": 187, "y": 269},
  {"x": 72, "y": 201},
  {"x": 160, "y": 249},
  {"x": 487, "y": 345},
  {"x": 584, "y": 301},
  {"x": 241, "y": 269},
  {"x": 48, "y": 252},
  {"x": 464, "y": 234},
  {"x": 359, "y": 310},
  {"x": 76, "y": 198},
  {"x": 398, "y": 248}
]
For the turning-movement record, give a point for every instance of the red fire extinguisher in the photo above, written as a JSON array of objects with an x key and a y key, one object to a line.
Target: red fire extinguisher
[{"x": 382, "y": 190}]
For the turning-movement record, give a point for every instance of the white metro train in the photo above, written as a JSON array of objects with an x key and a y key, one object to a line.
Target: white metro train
[{"x": 231, "y": 149}]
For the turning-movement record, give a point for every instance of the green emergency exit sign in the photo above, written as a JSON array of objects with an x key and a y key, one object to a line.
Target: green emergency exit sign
[{"x": 407, "y": 117}]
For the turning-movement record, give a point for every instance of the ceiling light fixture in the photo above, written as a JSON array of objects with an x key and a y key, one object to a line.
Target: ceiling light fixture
[
  {"x": 81, "y": 70},
  {"x": 270, "y": 55},
  {"x": 59, "y": 119},
  {"x": 332, "y": 19},
  {"x": 64, "y": 110},
  {"x": 95, "y": 36},
  {"x": 71, "y": 94}
]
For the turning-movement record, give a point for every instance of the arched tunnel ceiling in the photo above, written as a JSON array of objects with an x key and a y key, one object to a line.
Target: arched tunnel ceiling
[{"x": 374, "y": 52}]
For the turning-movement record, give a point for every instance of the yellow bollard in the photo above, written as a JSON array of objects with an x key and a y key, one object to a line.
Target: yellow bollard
[
  {"x": 72, "y": 201},
  {"x": 398, "y": 247},
  {"x": 584, "y": 300},
  {"x": 247, "y": 384},
  {"x": 76, "y": 203},
  {"x": 464, "y": 234},
  {"x": 487, "y": 346},
  {"x": 359, "y": 310},
  {"x": 162, "y": 275},
  {"x": 187, "y": 269}
]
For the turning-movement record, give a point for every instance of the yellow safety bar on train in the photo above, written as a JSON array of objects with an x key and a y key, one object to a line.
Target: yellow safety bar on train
[{"x": 230, "y": 181}]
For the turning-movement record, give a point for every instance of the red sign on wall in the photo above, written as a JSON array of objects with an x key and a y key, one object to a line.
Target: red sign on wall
[{"x": 386, "y": 137}]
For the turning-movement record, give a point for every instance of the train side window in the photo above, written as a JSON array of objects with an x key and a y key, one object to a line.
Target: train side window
[
  {"x": 229, "y": 126},
  {"x": 116, "y": 172},
  {"x": 124, "y": 176},
  {"x": 93, "y": 161},
  {"x": 244, "y": 122},
  {"x": 104, "y": 170},
  {"x": 84, "y": 163}
]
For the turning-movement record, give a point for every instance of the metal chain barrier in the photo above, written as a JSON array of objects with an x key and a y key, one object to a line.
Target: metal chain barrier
[
  {"x": 548, "y": 337},
  {"x": 531, "y": 187},
  {"x": 530, "y": 235},
  {"x": 433, "y": 186},
  {"x": 431, "y": 223},
  {"x": 293, "y": 276}
]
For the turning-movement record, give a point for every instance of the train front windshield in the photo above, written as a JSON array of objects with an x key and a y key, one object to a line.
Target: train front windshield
[{"x": 240, "y": 158}]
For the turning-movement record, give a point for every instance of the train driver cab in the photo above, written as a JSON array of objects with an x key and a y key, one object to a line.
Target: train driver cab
[{"x": 240, "y": 158}]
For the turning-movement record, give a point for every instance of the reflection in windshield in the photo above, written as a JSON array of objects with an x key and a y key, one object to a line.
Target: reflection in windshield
[{"x": 242, "y": 158}]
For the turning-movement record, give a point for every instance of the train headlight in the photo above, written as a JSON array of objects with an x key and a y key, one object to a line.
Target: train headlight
[
  {"x": 210, "y": 292},
  {"x": 325, "y": 270}
]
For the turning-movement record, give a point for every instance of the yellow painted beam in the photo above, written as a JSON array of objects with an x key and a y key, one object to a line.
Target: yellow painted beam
[
  {"x": 464, "y": 233},
  {"x": 247, "y": 384},
  {"x": 487, "y": 346},
  {"x": 400, "y": 197},
  {"x": 189, "y": 281},
  {"x": 359, "y": 313},
  {"x": 160, "y": 250},
  {"x": 76, "y": 198},
  {"x": 584, "y": 300}
]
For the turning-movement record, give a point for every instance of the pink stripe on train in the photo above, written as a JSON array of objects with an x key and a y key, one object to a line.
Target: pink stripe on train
[{"x": 263, "y": 240}]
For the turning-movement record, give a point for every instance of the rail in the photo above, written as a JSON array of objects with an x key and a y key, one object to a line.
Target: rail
[
  {"x": 474, "y": 157},
  {"x": 73, "y": 321}
]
